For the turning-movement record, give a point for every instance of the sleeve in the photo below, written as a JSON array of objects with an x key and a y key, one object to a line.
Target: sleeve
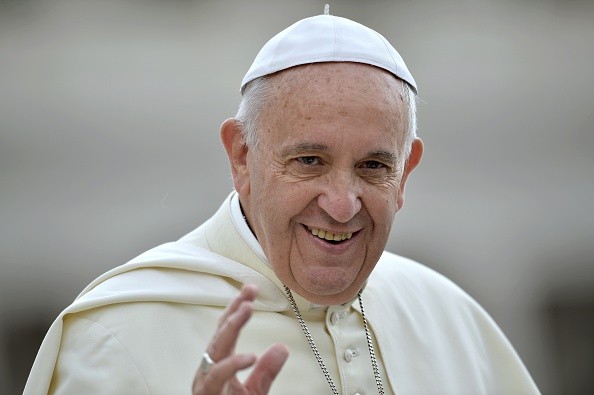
[{"x": 93, "y": 361}]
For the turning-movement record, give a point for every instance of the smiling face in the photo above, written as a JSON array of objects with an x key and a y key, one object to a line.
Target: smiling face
[{"x": 321, "y": 187}]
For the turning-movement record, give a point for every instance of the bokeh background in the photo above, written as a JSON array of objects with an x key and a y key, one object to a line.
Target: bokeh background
[{"x": 109, "y": 118}]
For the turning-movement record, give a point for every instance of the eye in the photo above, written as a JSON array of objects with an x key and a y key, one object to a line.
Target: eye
[
  {"x": 372, "y": 164},
  {"x": 309, "y": 160}
]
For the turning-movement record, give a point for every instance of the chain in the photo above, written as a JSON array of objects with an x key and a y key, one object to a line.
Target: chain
[
  {"x": 314, "y": 349},
  {"x": 376, "y": 373},
  {"x": 311, "y": 341}
]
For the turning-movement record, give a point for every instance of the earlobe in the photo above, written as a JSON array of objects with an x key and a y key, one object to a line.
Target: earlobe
[
  {"x": 416, "y": 153},
  {"x": 233, "y": 140}
]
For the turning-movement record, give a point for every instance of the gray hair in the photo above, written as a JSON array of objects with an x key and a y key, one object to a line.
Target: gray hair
[{"x": 257, "y": 94}]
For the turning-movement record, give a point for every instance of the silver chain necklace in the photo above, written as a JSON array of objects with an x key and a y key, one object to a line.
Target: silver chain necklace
[{"x": 314, "y": 349}]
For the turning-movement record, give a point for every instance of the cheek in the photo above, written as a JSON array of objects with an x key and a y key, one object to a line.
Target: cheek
[
  {"x": 382, "y": 212},
  {"x": 276, "y": 205}
]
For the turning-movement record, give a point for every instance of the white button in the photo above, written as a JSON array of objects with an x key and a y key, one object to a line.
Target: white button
[
  {"x": 349, "y": 354},
  {"x": 334, "y": 318}
]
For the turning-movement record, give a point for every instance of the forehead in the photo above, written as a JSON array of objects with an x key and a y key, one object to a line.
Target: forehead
[
  {"x": 330, "y": 96},
  {"x": 326, "y": 80}
]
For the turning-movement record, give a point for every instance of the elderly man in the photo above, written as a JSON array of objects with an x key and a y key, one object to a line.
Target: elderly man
[{"x": 287, "y": 289}]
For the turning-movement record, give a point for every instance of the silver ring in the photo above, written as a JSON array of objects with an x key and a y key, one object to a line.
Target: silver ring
[{"x": 206, "y": 363}]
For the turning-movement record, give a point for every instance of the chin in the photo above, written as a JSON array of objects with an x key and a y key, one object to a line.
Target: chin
[{"x": 330, "y": 292}]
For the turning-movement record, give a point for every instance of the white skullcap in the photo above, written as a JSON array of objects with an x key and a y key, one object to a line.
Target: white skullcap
[{"x": 327, "y": 38}]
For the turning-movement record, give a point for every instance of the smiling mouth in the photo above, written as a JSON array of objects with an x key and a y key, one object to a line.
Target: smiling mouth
[{"x": 329, "y": 236}]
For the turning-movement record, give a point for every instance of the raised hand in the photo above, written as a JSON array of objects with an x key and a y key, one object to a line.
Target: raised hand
[{"x": 220, "y": 377}]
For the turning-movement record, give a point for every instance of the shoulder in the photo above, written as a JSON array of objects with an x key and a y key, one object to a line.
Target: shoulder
[
  {"x": 419, "y": 294},
  {"x": 408, "y": 276},
  {"x": 444, "y": 332},
  {"x": 413, "y": 287}
]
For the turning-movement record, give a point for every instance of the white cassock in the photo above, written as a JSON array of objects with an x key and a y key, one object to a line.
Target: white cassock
[{"x": 141, "y": 328}]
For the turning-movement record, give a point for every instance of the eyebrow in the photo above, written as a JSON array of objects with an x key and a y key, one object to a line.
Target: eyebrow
[{"x": 304, "y": 147}]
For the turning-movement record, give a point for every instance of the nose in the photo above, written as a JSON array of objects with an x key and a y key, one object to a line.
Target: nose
[{"x": 341, "y": 196}]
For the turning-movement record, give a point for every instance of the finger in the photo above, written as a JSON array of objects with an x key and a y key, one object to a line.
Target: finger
[
  {"x": 267, "y": 368},
  {"x": 221, "y": 374},
  {"x": 233, "y": 319},
  {"x": 223, "y": 342},
  {"x": 248, "y": 293}
]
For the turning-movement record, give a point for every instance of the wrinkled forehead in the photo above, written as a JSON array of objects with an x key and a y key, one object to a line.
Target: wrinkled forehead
[
  {"x": 335, "y": 82},
  {"x": 315, "y": 102}
]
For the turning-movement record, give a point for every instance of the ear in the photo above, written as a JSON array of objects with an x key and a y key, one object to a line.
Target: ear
[
  {"x": 234, "y": 143},
  {"x": 413, "y": 160}
]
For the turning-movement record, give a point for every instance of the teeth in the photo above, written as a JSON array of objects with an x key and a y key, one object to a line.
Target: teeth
[{"x": 323, "y": 234}]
